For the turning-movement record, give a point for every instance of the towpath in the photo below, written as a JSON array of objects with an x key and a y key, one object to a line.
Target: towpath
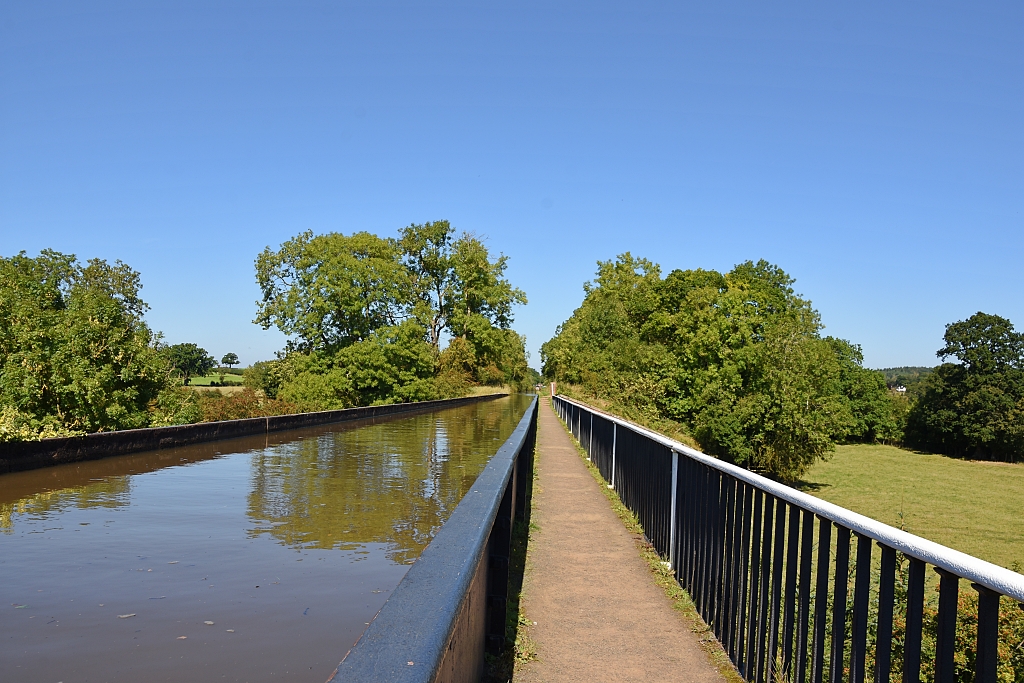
[{"x": 599, "y": 614}]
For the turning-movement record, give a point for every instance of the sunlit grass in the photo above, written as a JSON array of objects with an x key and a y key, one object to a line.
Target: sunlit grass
[{"x": 974, "y": 507}]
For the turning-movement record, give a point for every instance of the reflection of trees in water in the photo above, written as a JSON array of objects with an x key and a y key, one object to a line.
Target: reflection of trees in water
[
  {"x": 394, "y": 483},
  {"x": 109, "y": 493}
]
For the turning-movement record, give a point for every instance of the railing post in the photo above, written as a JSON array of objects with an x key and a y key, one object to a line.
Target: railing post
[
  {"x": 912, "y": 638},
  {"x": 883, "y": 630},
  {"x": 988, "y": 635},
  {"x": 590, "y": 447},
  {"x": 615, "y": 437},
  {"x": 861, "y": 591},
  {"x": 839, "y": 593},
  {"x": 821, "y": 600},
  {"x": 945, "y": 642},
  {"x": 672, "y": 522}
]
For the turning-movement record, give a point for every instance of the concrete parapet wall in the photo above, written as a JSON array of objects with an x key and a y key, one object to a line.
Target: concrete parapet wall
[{"x": 27, "y": 455}]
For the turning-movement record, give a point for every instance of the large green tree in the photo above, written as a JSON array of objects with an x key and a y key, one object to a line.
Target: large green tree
[
  {"x": 329, "y": 291},
  {"x": 877, "y": 414},
  {"x": 367, "y": 316},
  {"x": 75, "y": 352},
  {"x": 456, "y": 287},
  {"x": 188, "y": 360},
  {"x": 736, "y": 358},
  {"x": 974, "y": 406}
]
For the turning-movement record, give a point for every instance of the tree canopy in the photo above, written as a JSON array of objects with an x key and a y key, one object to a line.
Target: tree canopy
[
  {"x": 975, "y": 405},
  {"x": 736, "y": 358},
  {"x": 188, "y": 360},
  {"x": 75, "y": 353},
  {"x": 367, "y": 316}
]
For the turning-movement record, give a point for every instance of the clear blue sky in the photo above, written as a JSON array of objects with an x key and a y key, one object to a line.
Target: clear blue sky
[{"x": 873, "y": 151}]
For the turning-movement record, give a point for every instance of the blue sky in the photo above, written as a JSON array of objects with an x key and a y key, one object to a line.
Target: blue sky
[{"x": 875, "y": 152}]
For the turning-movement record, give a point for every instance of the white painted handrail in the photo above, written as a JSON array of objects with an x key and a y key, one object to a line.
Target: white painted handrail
[{"x": 992, "y": 576}]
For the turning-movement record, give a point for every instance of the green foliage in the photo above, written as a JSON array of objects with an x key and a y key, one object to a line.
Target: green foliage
[
  {"x": 393, "y": 365},
  {"x": 455, "y": 287},
  {"x": 909, "y": 377},
  {"x": 229, "y": 359},
  {"x": 188, "y": 360},
  {"x": 16, "y": 426},
  {"x": 736, "y": 358},
  {"x": 264, "y": 376},
  {"x": 1010, "y": 648},
  {"x": 176, "y": 405},
  {"x": 75, "y": 353},
  {"x": 367, "y": 316},
  {"x": 974, "y": 407},
  {"x": 215, "y": 407},
  {"x": 878, "y": 414},
  {"x": 330, "y": 291},
  {"x": 1010, "y": 667}
]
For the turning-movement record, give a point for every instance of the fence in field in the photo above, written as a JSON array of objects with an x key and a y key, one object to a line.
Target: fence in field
[{"x": 795, "y": 588}]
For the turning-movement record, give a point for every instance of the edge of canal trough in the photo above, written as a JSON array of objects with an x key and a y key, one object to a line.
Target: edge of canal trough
[{"x": 26, "y": 455}]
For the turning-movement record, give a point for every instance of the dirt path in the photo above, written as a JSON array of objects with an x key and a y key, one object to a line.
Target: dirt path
[{"x": 599, "y": 614}]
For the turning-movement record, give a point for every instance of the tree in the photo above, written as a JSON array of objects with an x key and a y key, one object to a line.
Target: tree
[
  {"x": 189, "y": 360},
  {"x": 456, "y": 287},
  {"x": 75, "y": 353},
  {"x": 736, "y": 359},
  {"x": 393, "y": 365},
  {"x": 974, "y": 407},
  {"x": 353, "y": 305},
  {"x": 229, "y": 359},
  {"x": 329, "y": 291},
  {"x": 876, "y": 413}
]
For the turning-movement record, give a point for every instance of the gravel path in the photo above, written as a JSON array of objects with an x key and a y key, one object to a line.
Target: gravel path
[{"x": 599, "y": 614}]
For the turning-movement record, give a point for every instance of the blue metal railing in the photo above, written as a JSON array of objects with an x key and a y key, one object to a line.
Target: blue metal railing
[
  {"x": 451, "y": 606},
  {"x": 769, "y": 568}
]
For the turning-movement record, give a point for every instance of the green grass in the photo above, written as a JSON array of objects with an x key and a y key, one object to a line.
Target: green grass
[
  {"x": 206, "y": 380},
  {"x": 974, "y": 507}
]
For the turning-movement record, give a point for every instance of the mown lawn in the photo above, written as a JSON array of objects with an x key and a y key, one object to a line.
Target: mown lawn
[{"x": 975, "y": 507}]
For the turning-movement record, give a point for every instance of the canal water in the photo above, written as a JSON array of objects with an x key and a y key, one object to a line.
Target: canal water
[{"x": 250, "y": 559}]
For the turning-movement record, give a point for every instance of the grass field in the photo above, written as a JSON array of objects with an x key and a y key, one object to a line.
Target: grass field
[
  {"x": 206, "y": 380},
  {"x": 975, "y": 507}
]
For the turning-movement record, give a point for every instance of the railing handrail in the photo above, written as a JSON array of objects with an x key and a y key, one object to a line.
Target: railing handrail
[
  {"x": 987, "y": 574},
  {"x": 408, "y": 638}
]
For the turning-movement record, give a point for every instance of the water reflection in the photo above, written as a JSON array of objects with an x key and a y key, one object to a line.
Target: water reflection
[
  {"x": 109, "y": 493},
  {"x": 290, "y": 543},
  {"x": 393, "y": 483}
]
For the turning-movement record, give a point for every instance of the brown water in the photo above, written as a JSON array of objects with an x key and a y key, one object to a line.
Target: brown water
[{"x": 111, "y": 570}]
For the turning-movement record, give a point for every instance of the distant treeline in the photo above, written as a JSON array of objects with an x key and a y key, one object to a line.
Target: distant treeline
[
  {"x": 737, "y": 362},
  {"x": 907, "y": 377}
]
